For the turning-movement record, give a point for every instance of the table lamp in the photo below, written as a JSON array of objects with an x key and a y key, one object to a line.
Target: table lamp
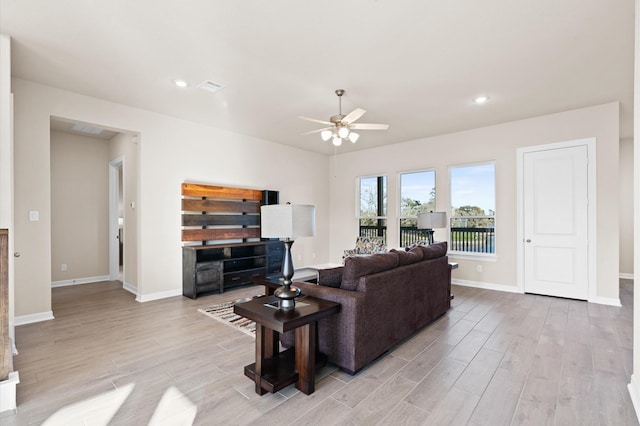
[
  {"x": 287, "y": 222},
  {"x": 432, "y": 220}
]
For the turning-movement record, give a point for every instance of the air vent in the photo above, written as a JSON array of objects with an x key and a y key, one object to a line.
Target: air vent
[
  {"x": 210, "y": 86},
  {"x": 86, "y": 129}
]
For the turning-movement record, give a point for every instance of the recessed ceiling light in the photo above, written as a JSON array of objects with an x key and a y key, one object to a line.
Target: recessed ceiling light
[
  {"x": 480, "y": 99},
  {"x": 180, "y": 83}
]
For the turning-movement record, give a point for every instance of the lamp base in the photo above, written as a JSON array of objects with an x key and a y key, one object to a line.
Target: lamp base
[{"x": 287, "y": 294}]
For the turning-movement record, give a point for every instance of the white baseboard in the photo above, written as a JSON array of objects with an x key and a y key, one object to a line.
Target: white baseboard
[
  {"x": 159, "y": 295},
  {"x": 634, "y": 392},
  {"x": 486, "y": 286},
  {"x": 31, "y": 318},
  {"x": 130, "y": 288},
  {"x": 610, "y": 301},
  {"x": 626, "y": 276},
  {"x": 8, "y": 392},
  {"x": 87, "y": 280}
]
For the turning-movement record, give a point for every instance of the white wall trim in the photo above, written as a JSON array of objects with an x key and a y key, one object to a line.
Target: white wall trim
[
  {"x": 610, "y": 301},
  {"x": 87, "y": 280},
  {"x": 158, "y": 295},
  {"x": 31, "y": 318},
  {"x": 130, "y": 288},
  {"x": 626, "y": 276},
  {"x": 8, "y": 392},
  {"x": 634, "y": 392},
  {"x": 486, "y": 286}
]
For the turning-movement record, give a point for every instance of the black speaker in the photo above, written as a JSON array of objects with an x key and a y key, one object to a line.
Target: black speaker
[{"x": 270, "y": 197}]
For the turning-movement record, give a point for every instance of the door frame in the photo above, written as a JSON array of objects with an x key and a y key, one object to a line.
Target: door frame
[
  {"x": 114, "y": 188},
  {"x": 592, "y": 242}
]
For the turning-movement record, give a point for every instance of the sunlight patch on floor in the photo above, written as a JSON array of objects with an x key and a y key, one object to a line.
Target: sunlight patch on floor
[
  {"x": 174, "y": 409},
  {"x": 98, "y": 410}
]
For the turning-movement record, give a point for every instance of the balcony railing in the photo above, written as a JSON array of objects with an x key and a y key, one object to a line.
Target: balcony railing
[
  {"x": 473, "y": 240},
  {"x": 373, "y": 231}
]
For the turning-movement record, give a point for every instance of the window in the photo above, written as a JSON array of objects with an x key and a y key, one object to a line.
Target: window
[
  {"x": 372, "y": 217},
  {"x": 417, "y": 195},
  {"x": 473, "y": 208}
]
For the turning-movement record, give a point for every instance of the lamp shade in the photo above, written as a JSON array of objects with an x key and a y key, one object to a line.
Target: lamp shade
[
  {"x": 432, "y": 220},
  {"x": 288, "y": 221}
]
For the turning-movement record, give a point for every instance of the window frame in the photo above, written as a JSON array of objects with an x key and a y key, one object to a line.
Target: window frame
[
  {"x": 385, "y": 198},
  {"x": 462, "y": 254},
  {"x": 399, "y": 206}
]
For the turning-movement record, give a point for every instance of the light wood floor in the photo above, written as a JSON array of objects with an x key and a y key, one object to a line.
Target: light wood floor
[{"x": 494, "y": 359}]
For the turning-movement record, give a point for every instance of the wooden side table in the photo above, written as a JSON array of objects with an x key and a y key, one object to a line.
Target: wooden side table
[{"x": 274, "y": 370}]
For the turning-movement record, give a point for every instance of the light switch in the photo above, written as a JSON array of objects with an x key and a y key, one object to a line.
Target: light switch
[{"x": 34, "y": 215}]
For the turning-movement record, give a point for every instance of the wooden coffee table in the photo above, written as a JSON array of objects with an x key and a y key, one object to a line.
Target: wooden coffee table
[{"x": 274, "y": 370}]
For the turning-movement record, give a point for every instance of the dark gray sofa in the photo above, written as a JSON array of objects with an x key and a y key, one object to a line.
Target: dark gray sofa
[{"x": 385, "y": 298}]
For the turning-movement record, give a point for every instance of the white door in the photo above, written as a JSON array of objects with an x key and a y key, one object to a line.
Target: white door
[{"x": 556, "y": 222}]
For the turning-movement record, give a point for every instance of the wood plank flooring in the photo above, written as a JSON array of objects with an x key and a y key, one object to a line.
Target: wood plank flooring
[{"x": 494, "y": 359}]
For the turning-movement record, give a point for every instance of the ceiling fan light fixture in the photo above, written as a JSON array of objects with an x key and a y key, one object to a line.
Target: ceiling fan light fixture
[
  {"x": 353, "y": 137},
  {"x": 326, "y": 135},
  {"x": 343, "y": 132},
  {"x": 337, "y": 141}
]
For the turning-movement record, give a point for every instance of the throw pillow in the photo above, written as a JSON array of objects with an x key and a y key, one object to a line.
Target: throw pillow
[
  {"x": 359, "y": 266},
  {"x": 414, "y": 255},
  {"x": 434, "y": 250},
  {"x": 331, "y": 277}
]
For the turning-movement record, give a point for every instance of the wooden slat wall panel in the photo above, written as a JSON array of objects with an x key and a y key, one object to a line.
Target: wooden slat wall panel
[
  {"x": 219, "y": 234},
  {"x": 198, "y": 190},
  {"x": 220, "y": 219},
  {"x": 192, "y": 205}
]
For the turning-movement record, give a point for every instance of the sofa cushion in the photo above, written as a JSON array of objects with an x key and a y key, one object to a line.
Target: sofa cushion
[
  {"x": 434, "y": 250},
  {"x": 330, "y": 277},
  {"x": 359, "y": 266},
  {"x": 408, "y": 257}
]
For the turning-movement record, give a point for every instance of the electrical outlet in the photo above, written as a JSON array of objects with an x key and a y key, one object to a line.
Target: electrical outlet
[
  {"x": 479, "y": 268},
  {"x": 63, "y": 267}
]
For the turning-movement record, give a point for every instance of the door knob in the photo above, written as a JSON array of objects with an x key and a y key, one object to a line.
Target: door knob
[
  {"x": 16, "y": 254},
  {"x": 528, "y": 240}
]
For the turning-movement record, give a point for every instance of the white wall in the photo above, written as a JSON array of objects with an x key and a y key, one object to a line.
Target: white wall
[
  {"x": 495, "y": 143},
  {"x": 634, "y": 385},
  {"x": 626, "y": 208},
  {"x": 171, "y": 151},
  {"x": 79, "y": 207}
]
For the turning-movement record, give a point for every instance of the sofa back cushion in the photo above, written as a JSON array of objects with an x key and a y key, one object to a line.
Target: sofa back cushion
[
  {"x": 359, "y": 266},
  {"x": 330, "y": 277},
  {"x": 413, "y": 255},
  {"x": 434, "y": 250}
]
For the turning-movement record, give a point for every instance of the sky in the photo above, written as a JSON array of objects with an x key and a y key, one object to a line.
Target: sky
[{"x": 473, "y": 186}]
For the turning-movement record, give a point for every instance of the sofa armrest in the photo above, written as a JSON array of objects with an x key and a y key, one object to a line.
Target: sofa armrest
[{"x": 341, "y": 336}]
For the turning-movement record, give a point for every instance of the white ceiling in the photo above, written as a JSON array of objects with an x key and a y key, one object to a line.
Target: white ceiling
[{"x": 413, "y": 64}]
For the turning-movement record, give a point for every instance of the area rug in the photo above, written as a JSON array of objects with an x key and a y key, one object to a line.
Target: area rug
[{"x": 223, "y": 312}]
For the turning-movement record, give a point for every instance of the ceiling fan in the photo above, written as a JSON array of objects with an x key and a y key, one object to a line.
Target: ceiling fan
[{"x": 341, "y": 126}]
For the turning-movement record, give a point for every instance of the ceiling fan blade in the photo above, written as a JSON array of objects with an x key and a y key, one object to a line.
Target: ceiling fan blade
[
  {"x": 353, "y": 115},
  {"x": 368, "y": 126},
  {"x": 316, "y": 131},
  {"x": 317, "y": 121}
]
